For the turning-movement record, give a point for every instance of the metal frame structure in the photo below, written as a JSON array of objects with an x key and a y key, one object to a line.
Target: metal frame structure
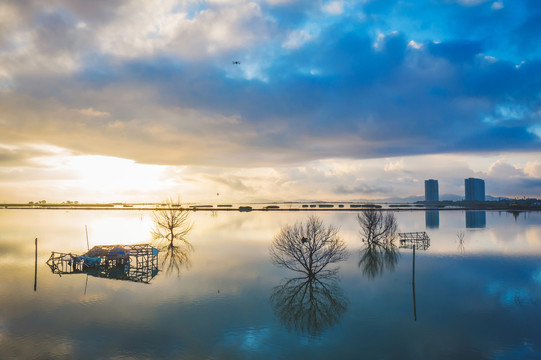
[{"x": 418, "y": 239}]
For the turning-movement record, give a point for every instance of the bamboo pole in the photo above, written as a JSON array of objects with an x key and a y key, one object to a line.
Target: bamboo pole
[
  {"x": 36, "y": 265},
  {"x": 413, "y": 286},
  {"x": 87, "y": 244}
]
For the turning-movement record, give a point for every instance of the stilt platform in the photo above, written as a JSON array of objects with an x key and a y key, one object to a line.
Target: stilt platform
[{"x": 138, "y": 263}]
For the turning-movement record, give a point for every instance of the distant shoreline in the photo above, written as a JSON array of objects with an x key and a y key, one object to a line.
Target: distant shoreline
[{"x": 249, "y": 207}]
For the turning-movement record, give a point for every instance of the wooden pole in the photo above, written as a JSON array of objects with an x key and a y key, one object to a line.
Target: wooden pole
[
  {"x": 36, "y": 265},
  {"x": 413, "y": 287},
  {"x": 87, "y": 244}
]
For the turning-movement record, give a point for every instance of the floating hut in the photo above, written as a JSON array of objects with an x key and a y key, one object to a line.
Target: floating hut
[
  {"x": 137, "y": 263},
  {"x": 418, "y": 239}
]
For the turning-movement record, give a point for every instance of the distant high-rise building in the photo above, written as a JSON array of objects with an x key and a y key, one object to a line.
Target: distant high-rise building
[
  {"x": 475, "y": 189},
  {"x": 431, "y": 190}
]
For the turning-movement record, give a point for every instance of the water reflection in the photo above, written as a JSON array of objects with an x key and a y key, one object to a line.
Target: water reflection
[
  {"x": 378, "y": 257},
  {"x": 169, "y": 234},
  {"x": 378, "y": 233},
  {"x": 175, "y": 258},
  {"x": 36, "y": 265},
  {"x": 312, "y": 301},
  {"x": 460, "y": 236},
  {"x": 476, "y": 219},
  {"x": 483, "y": 306},
  {"x": 432, "y": 219},
  {"x": 309, "y": 304}
]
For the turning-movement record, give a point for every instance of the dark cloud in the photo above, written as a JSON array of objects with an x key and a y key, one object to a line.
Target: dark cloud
[{"x": 21, "y": 156}]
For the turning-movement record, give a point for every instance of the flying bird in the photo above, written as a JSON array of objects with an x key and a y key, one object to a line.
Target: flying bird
[{"x": 236, "y": 62}]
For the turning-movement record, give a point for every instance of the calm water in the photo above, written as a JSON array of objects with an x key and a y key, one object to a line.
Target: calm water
[{"x": 479, "y": 298}]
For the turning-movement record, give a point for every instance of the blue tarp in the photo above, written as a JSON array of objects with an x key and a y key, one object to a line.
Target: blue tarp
[{"x": 91, "y": 261}]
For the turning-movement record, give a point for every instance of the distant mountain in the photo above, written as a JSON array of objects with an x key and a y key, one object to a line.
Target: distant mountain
[
  {"x": 451, "y": 197},
  {"x": 443, "y": 197}
]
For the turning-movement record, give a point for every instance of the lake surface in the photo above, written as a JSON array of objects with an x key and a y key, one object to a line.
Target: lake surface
[{"x": 476, "y": 293}]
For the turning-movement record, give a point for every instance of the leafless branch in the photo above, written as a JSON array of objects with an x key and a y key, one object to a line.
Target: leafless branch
[
  {"x": 308, "y": 247},
  {"x": 377, "y": 226}
]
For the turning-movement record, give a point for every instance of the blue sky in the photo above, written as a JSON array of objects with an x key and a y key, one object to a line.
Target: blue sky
[{"x": 332, "y": 100}]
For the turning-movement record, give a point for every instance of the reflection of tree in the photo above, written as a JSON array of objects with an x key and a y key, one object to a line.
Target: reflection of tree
[
  {"x": 312, "y": 301},
  {"x": 171, "y": 226},
  {"x": 309, "y": 304},
  {"x": 176, "y": 257},
  {"x": 377, "y": 257},
  {"x": 378, "y": 232},
  {"x": 460, "y": 235}
]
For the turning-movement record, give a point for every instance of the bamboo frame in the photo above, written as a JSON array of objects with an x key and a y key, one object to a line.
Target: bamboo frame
[{"x": 138, "y": 263}]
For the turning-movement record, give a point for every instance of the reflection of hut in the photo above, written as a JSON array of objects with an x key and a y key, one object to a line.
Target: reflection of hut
[{"x": 126, "y": 262}]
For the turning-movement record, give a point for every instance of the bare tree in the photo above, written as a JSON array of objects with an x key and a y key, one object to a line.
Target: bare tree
[
  {"x": 308, "y": 247},
  {"x": 314, "y": 300},
  {"x": 378, "y": 232},
  {"x": 171, "y": 227},
  {"x": 171, "y": 223},
  {"x": 377, "y": 226}
]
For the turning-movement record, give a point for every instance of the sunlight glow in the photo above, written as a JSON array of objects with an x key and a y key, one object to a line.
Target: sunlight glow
[{"x": 115, "y": 174}]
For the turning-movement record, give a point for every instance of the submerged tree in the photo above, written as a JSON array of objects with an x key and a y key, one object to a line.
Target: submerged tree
[
  {"x": 312, "y": 301},
  {"x": 308, "y": 247},
  {"x": 171, "y": 226},
  {"x": 378, "y": 232},
  {"x": 377, "y": 226}
]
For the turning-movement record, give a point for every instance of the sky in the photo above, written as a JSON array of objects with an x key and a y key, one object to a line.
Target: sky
[{"x": 342, "y": 100}]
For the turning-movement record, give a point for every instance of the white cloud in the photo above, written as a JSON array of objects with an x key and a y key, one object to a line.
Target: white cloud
[
  {"x": 471, "y": 2},
  {"x": 533, "y": 169},
  {"x": 296, "y": 39},
  {"x": 394, "y": 165},
  {"x": 503, "y": 169},
  {"x": 489, "y": 59},
  {"x": 91, "y": 112},
  {"x": 334, "y": 7},
  {"x": 380, "y": 39},
  {"x": 497, "y": 5},
  {"x": 142, "y": 29},
  {"x": 414, "y": 45}
]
